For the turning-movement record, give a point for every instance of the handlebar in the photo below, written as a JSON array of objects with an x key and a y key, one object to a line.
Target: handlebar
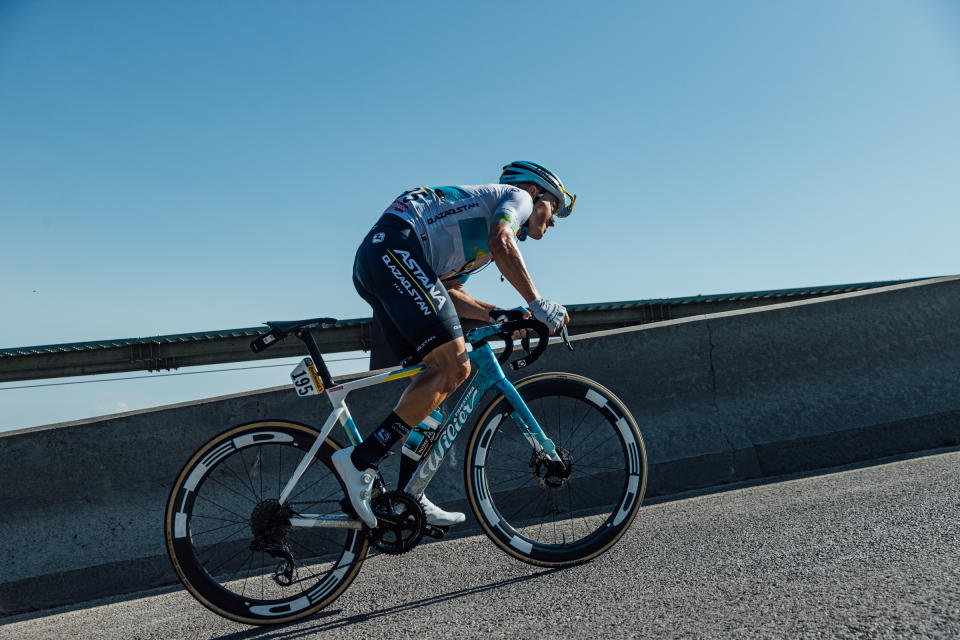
[{"x": 505, "y": 331}]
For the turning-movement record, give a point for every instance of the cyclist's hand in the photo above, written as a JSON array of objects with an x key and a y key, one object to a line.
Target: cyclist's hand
[
  {"x": 504, "y": 315},
  {"x": 552, "y": 314}
]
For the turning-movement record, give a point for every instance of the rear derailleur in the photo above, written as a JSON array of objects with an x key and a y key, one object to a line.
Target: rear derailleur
[{"x": 270, "y": 524}]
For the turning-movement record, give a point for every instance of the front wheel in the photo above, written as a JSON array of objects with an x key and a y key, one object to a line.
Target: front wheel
[
  {"x": 551, "y": 514},
  {"x": 232, "y": 542}
]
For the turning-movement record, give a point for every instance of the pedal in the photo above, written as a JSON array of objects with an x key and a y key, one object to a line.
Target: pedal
[{"x": 435, "y": 531}]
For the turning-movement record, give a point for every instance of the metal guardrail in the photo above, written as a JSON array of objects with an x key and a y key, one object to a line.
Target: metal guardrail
[{"x": 219, "y": 347}]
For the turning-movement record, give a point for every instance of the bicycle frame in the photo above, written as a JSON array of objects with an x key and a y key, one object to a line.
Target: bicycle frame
[{"x": 487, "y": 375}]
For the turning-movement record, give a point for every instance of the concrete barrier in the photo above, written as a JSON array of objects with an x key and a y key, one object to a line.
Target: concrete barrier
[{"x": 719, "y": 398}]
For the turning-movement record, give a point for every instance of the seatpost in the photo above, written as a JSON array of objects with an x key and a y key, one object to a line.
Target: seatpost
[{"x": 314, "y": 349}]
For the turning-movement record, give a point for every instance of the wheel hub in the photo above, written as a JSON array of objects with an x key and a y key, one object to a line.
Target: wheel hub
[
  {"x": 550, "y": 473},
  {"x": 270, "y": 521}
]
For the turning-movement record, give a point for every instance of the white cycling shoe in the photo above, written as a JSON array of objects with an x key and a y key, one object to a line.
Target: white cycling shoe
[
  {"x": 359, "y": 484},
  {"x": 437, "y": 516}
]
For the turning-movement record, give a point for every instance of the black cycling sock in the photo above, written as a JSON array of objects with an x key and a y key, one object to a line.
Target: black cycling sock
[
  {"x": 372, "y": 450},
  {"x": 407, "y": 467}
]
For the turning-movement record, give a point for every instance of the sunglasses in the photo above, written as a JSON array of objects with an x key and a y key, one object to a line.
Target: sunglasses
[{"x": 565, "y": 211}]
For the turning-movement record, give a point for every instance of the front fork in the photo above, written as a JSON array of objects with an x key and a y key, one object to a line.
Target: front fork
[
  {"x": 522, "y": 416},
  {"x": 487, "y": 364}
]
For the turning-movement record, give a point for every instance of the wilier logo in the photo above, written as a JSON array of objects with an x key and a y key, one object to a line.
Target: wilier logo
[{"x": 377, "y": 239}]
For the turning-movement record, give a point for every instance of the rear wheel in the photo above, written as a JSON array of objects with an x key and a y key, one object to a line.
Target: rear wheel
[
  {"x": 546, "y": 513},
  {"x": 231, "y": 540}
]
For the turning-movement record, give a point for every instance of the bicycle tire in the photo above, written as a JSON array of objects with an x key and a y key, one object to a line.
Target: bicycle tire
[
  {"x": 522, "y": 511},
  {"x": 229, "y": 486}
]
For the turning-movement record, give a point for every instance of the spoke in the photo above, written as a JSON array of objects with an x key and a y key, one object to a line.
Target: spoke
[
  {"x": 220, "y": 540},
  {"x": 512, "y": 469},
  {"x": 280, "y": 473},
  {"x": 226, "y": 467},
  {"x": 586, "y": 455},
  {"x": 212, "y": 572},
  {"x": 234, "y": 524},
  {"x": 195, "y": 515},
  {"x": 502, "y": 482},
  {"x": 590, "y": 503},
  {"x": 260, "y": 464},
  {"x": 519, "y": 458},
  {"x": 220, "y": 506},
  {"x": 543, "y": 519},
  {"x": 536, "y": 501},
  {"x": 312, "y": 552},
  {"x": 558, "y": 431},
  {"x": 233, "y": 491},
  {"x": 315, "y": 483},
  {"x": 246, "y": 470},
  {"x": 572, "y": 510},
  {"x": 580, "y": 465},
  {"x": 559, "y": 420},
  {"x": 586, "y": 414},
  {"x": 498, "y": 472}
]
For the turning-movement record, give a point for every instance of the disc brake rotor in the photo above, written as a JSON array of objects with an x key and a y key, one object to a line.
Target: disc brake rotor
[{"x": 551, "y": 474}]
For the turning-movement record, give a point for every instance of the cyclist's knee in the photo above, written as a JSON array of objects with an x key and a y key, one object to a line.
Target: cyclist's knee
[
  {"x": 451, "y": 363},
  {"x": 458, "y": 374},
  {"x": 452, "y": 373}
]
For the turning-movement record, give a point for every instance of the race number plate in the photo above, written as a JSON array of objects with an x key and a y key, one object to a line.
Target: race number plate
[{"x": 306, "y": 382}]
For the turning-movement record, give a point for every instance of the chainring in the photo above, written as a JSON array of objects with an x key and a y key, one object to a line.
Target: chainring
[{"x": 401, "y": 522}]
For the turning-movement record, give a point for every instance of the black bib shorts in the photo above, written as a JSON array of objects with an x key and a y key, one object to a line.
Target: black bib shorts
[{"x": 410, "y": 305}]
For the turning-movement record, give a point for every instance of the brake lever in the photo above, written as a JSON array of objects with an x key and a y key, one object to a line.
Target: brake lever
[{"x": 565, "y": 336}]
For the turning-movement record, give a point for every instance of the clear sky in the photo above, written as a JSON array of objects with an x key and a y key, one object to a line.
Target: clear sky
[{"x": 180, "y": 166}]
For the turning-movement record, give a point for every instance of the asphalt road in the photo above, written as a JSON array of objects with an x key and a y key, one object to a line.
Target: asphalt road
[{"x": 871, "y": 552}]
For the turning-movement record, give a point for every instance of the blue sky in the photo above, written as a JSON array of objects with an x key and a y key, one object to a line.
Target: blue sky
[{"x": 185, "y": 166}]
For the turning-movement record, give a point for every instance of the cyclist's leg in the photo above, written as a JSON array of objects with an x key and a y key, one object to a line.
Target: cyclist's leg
[
  {"x": 446, "y": 368},
  {"x": 391, "y": 271}
]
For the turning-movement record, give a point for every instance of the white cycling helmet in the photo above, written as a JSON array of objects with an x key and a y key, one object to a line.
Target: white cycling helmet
[{"x": 522, "y": 171}]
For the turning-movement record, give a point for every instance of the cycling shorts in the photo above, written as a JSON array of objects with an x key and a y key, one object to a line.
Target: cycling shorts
[{"x": 410, "y": 303}]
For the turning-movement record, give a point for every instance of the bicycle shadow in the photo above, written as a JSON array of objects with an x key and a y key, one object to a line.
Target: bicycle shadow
[{"x": 281, "y": 633}]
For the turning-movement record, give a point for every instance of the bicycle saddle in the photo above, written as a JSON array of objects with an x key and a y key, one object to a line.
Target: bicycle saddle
[{"x": 284, "y": 327}]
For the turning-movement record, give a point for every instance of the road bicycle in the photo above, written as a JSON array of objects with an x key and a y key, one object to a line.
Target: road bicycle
[{"x": 259, "y": 529}]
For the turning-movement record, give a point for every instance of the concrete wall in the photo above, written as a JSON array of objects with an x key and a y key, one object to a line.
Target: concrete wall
[{"x": 719, "y": 398}]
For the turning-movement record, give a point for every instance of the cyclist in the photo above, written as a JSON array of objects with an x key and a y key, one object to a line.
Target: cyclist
[{"x": 411, "y": 268}]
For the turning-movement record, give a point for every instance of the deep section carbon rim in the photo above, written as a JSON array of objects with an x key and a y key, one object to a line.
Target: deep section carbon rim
[
  {"x": 550, "y": 514},
  {"x": 231, "y": 541}
]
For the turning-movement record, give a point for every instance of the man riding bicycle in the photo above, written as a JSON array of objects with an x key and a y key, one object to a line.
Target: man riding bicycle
[{"x": 411, "y": 268}]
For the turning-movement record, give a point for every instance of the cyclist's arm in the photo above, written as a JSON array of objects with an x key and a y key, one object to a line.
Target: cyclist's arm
[
  {"x": 503, "y": 246},
  {"x": 466, "y": 305}
]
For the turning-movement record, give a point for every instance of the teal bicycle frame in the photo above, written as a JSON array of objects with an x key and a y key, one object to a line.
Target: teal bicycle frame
[{"x": 487, "y": 374}]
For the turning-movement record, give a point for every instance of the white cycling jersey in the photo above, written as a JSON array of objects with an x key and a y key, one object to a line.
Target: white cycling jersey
[{"x": 453, "y": 223}]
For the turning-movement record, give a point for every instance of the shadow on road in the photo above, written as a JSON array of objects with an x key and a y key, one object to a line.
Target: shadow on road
[{"x": 286, "y": 633}]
